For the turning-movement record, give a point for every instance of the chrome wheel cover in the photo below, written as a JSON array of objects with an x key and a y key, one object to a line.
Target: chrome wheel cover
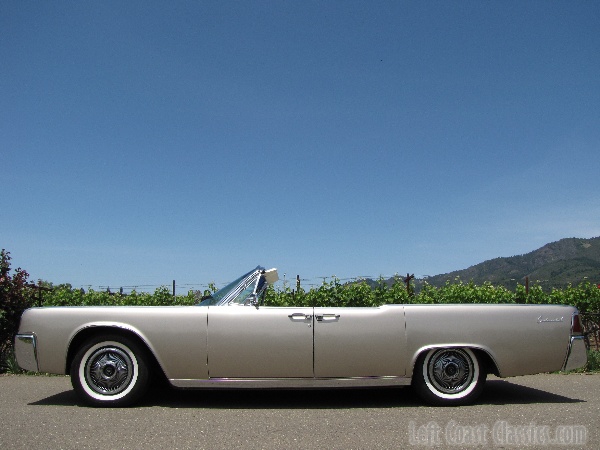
[
  {"x": 108, "y": 371},
  {"x": 450, "y": 371}
]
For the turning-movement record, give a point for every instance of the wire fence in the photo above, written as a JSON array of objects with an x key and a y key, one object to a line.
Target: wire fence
[
  {"x": 306, "y": 283},
  {"x": 180, "y": 287},
  {"x": 283, "y": 283},
  {"x": 198, "y": 290},
  {"x": 183, "y": 288}
]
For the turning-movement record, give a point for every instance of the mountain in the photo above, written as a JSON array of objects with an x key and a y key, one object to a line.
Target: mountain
[{"x": 557, "y": 264}]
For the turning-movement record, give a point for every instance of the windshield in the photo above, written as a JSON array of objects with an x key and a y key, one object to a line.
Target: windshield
[
  {"x": 217, "y": 297},
  {"x": 241, "y": 298}
]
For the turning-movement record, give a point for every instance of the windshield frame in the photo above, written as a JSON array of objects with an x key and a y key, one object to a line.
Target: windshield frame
[{"x": 230, "y": 292}]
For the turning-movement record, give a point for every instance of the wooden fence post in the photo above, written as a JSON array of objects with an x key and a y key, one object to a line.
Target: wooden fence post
[{"x": 407, "y": 281}]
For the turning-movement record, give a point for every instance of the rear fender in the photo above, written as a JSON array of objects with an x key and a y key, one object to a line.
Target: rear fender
[{"x": 484, "y": 354}]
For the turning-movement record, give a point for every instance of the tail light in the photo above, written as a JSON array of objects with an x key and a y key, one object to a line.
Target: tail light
[{"x": 576, "y": 324}]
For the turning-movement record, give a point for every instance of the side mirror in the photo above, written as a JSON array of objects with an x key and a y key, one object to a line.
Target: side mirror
[{"x": 252, "y": 300}]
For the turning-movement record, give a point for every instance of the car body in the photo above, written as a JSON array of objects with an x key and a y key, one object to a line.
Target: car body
[{"x": 231, "y": 340}]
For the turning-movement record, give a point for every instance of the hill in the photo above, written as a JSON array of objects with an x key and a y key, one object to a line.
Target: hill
[{"x": 557, "y": 264}]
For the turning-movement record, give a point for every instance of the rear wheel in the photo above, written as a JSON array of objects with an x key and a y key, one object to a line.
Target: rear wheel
[
  {"x": 449, "y": 376},
  {"x": 110, "y": 370}
]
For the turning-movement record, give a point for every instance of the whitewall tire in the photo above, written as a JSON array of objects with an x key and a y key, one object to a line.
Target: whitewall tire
[
  {"x": 110, "y": 371},
  {"x": 449, "y": 376}
]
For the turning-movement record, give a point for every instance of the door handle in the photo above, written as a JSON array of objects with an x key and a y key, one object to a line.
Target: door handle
[
  {"x": 327, "y": 317},
  {"x": 300, "y": 316}
]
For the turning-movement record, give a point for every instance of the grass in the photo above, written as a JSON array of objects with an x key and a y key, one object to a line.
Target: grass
[
  {"x": 592, "y": 365},
  {"x": 8, "y": 362}
]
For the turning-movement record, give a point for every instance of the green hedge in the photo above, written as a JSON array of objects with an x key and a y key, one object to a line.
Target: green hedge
[
  {"x": 65, "y": 295},
  {"x": 586, "y": 296}
]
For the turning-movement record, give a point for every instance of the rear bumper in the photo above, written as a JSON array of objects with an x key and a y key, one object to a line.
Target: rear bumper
[
  {"x": 26, "y": 351},
  {"x": 577, "y": 354}
]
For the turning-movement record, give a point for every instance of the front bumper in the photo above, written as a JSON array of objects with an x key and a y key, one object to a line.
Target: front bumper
[
  {"x": 26, "y": 351},
  {"x": 577, "y": 354}
]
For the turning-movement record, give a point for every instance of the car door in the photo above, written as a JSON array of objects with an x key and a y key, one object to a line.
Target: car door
[
  {"x": 263, "y": 342},
  {"x": 359, "y": 342}
]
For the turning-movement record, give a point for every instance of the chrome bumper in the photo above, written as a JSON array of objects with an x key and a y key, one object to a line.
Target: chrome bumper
[
  {"x": 577, "y": 354},
  {"x": 26, "y": 351}
]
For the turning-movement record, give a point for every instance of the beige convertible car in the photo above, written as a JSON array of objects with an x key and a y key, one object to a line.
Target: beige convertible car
[{"x": 230, "y": 340}]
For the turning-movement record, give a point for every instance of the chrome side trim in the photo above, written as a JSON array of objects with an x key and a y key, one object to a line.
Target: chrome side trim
[
  {"x": 576, "y": 355},
  {"x": 290, "y": 383},
  {"x": 26, "y": 351}
]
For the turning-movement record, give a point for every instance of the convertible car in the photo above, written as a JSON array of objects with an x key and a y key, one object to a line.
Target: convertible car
[{"x": 232, "y": 340}]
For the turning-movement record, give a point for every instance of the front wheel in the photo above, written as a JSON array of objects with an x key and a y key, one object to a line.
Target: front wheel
[
  {"x": 448, "y": 376},
  {"x": 110, "y": 371}
]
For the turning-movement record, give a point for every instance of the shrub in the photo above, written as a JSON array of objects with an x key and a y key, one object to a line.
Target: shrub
[
  {"x": 15, "y": 297},
  {"x": 8, "y": 362}
]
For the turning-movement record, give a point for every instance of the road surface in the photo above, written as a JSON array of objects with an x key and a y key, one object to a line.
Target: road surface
[{"x": 40, "y": 412}]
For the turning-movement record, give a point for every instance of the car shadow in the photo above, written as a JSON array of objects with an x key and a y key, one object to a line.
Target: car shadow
[
  {"x": 66, "y": 398},
  {"x": 258, "y": 398},
  {"x": 502, "y": 392},
  {"x": 287, "y": 399},
  {"x": 496, "y": 392}
]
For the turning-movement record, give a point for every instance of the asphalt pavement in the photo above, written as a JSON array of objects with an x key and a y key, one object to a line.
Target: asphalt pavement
[{"x": 41, "y": 412}]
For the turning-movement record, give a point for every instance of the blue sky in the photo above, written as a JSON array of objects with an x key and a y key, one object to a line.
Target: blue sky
[{"x": 143, "y": 142}]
